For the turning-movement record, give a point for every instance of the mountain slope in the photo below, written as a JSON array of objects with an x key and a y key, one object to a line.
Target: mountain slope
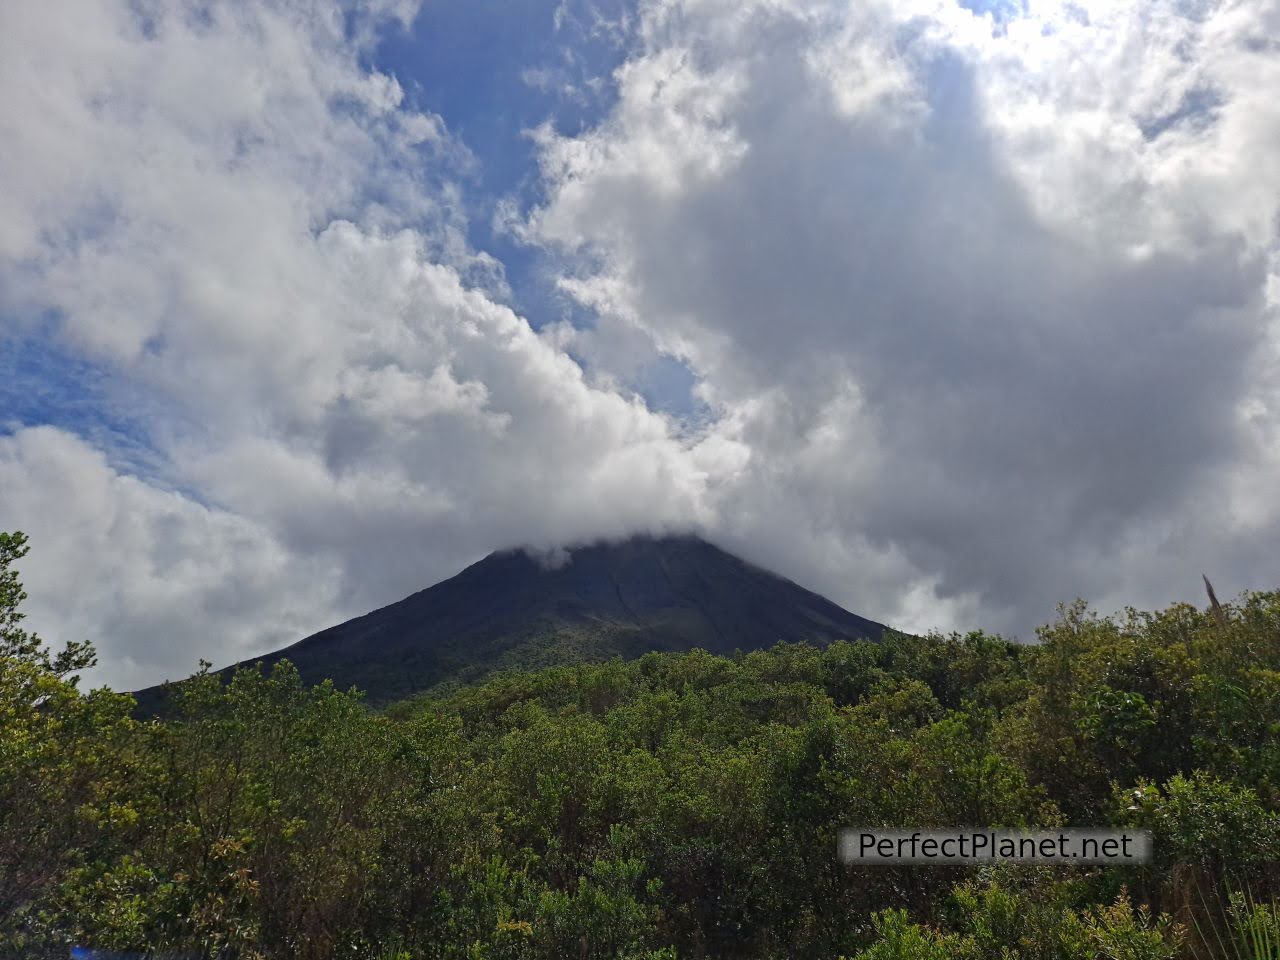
[{"x": 508, "y": 610}]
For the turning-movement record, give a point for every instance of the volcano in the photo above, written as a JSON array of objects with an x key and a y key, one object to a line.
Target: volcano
[{"x": 516, "y": 610}]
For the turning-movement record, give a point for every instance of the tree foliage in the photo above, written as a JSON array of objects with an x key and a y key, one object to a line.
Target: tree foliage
[{"x": 678, "y": 805}]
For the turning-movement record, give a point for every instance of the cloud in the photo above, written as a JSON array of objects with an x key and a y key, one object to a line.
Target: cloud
[
  {"x": 986, "y": 304},
  {"x": 154, "y": 578}
]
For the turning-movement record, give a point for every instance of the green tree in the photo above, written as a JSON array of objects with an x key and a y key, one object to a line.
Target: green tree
[{"x": 63, "y": 758}]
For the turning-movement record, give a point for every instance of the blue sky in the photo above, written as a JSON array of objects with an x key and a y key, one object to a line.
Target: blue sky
[
  {"x": 494, "y": 71},
  {"x": 473, "y": 64},
  {"x": 44, "y": 382}
]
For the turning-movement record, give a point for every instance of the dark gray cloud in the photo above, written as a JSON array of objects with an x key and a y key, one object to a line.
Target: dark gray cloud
[{"x": 1048, "y": 339}]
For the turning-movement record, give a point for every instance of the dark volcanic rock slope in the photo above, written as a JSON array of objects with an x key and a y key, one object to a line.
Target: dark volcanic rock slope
[{"x": 509, "y": 610}]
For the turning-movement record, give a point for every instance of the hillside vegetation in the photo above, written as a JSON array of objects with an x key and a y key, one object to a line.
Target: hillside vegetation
[{"x": 678, "y": 805}]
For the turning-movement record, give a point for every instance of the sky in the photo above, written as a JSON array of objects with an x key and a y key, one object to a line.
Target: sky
[{"x": 951, "y": 311}]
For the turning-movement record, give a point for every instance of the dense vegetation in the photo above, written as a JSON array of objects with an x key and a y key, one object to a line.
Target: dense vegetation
[{"x": 679, "y": 805}]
